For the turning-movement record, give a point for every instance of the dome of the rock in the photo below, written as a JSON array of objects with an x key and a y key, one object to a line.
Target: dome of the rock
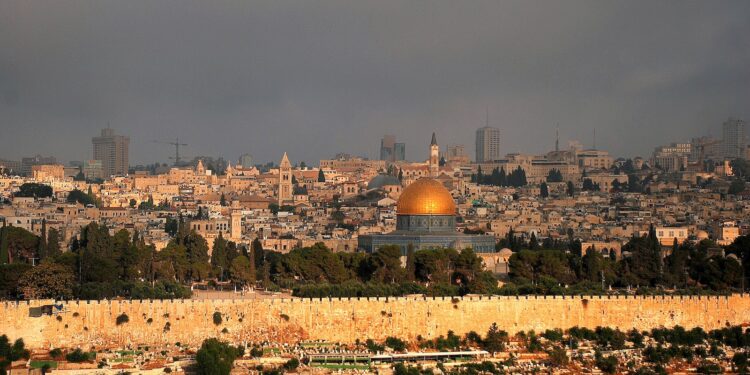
[{"x": 426, "y": 197}]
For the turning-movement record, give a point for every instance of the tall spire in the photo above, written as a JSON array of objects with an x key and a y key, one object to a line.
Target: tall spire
[
  {"x": 434, "y": 140},
  {"x": 285, "y": 161},
  {"x": 487, "y": 117},
  {"x": 557, "y": 138},
  {"x": 594, "y": 138}
]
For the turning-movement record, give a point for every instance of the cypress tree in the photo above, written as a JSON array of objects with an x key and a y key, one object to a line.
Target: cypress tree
[
  {"x": 253, "y": 272},
  {"x": 53, "y": 243},
  {"x": 410, "y": 263},
  {"x": 4, "y": 256},
  {"x": 42, "y": 246}
]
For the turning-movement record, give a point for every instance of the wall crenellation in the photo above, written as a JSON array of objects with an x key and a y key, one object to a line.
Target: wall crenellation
[{"x": 153, "y": 322}]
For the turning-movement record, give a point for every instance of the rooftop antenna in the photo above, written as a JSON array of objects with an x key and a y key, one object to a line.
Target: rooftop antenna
[
  {"x": 594, "y": 138},
  {"x": 557, "y": 138},
  {"x": 487, "y": 117},
  {"x": 176, "y": 145}
]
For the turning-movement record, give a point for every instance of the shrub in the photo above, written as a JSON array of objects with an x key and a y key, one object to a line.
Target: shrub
[
  {"x": 291, "y": 364},
  {"x": 217, "y": 318},
  {"x": 55, "y": 353},
  {"x": 78, "y": 356},
  {"x": 608, "y": 364},
  {"x": 396, "y": 344},
  {"x": 256, "y": 352},
  {"x": 558, "y": 357},
  {"x": 216, "y": 357},
  {"x": 285, "y": 317},
  {"x": 122, "y": 319}
]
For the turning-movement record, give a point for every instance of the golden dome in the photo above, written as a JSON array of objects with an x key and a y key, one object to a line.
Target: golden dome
[{"x": 426, "y": 197}]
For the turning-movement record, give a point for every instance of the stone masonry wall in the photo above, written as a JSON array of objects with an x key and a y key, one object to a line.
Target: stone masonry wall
[{"x": 86, "y": 323}]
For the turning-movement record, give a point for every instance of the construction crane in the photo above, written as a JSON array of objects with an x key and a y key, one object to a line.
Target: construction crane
[{"x": 176, "y": 145}]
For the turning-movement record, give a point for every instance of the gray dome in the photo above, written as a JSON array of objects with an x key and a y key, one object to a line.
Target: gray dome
[{"x": 381, "y": 180}]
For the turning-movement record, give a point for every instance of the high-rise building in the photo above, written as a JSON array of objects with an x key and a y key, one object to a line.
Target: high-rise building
[
  {"x": 92, "y": 170},
  {"x": 390, "y": 150},
  {"x": 246, "y": 161},
  {"x": 386, "y": 147},
  {"x": 113, "y": 151},
  {"x": 488, "y": 144},
  {"x": 399, "y": 151},
  {"x": 456, "y": 154},
  {"x": 735, "y": 138},
  {"x": 673, "y": 157}
]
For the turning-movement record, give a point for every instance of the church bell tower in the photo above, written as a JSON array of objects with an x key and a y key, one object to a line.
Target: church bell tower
[
  {"x": 285, "y": 180},
  {"x": 434, "y": 157}
]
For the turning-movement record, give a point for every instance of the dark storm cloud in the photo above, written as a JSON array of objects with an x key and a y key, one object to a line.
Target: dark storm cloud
[{"x": 316, "y": 77}]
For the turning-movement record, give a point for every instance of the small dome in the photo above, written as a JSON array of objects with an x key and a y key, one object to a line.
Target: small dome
[
  {"x": 381, "y": 180},
  {"x": 701, "y": 235},
  {"x": 426, "y": 197},
  {"x": 505, "y": 252}
]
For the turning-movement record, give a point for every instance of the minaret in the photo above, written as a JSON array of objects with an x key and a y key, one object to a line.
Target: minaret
[
  {"x": 434, "y": 162},
  {"x": 557, "y": 138},
  {"x": 235, "y": 225},
  {"x": 285, "y": 180}
]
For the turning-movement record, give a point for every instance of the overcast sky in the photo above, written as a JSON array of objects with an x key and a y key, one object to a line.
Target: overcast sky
[{"x": 318, "y": 77}]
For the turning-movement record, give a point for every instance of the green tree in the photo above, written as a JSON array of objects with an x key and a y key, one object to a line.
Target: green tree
[
  {"x": 216, "y": 357},
  {"x": 172, "y": 263},
  {"x": 737, "y": 186},
  {"x": 410, "y": 262},
  {"x": 321, "y": 176},
  {"x": 35, "y": 190},
  {"x": 53, "y": 243},
  {"x": 41, "y": 250},
  {"x": 467, "y": 266},
  {"x": 47, "y": 280},
  {"x": 495, "y": 339},
  {"x": 10, "y": 353},
  {"x": 19, "y": 245},
  {"x": 196, "y": 249},
  {"x": 4, "y": 251},
  {"x": 570, "y": 189},
  {"x": 77, "y": 196},
  {"x": 386, "y": 263},
  {"x": 253, "y": 272},
  {"x": 219, "y": 259},
  {"x": 589, "y": 185},
  {"x": 554, "y": 175},
  {"x": 171, "y": 226},
  {"x": 242, "y": 271},
  {"x": 543, "y": 190}
]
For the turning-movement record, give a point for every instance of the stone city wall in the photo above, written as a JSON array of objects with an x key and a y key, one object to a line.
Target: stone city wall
[{"x": 86, "y": 323}]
